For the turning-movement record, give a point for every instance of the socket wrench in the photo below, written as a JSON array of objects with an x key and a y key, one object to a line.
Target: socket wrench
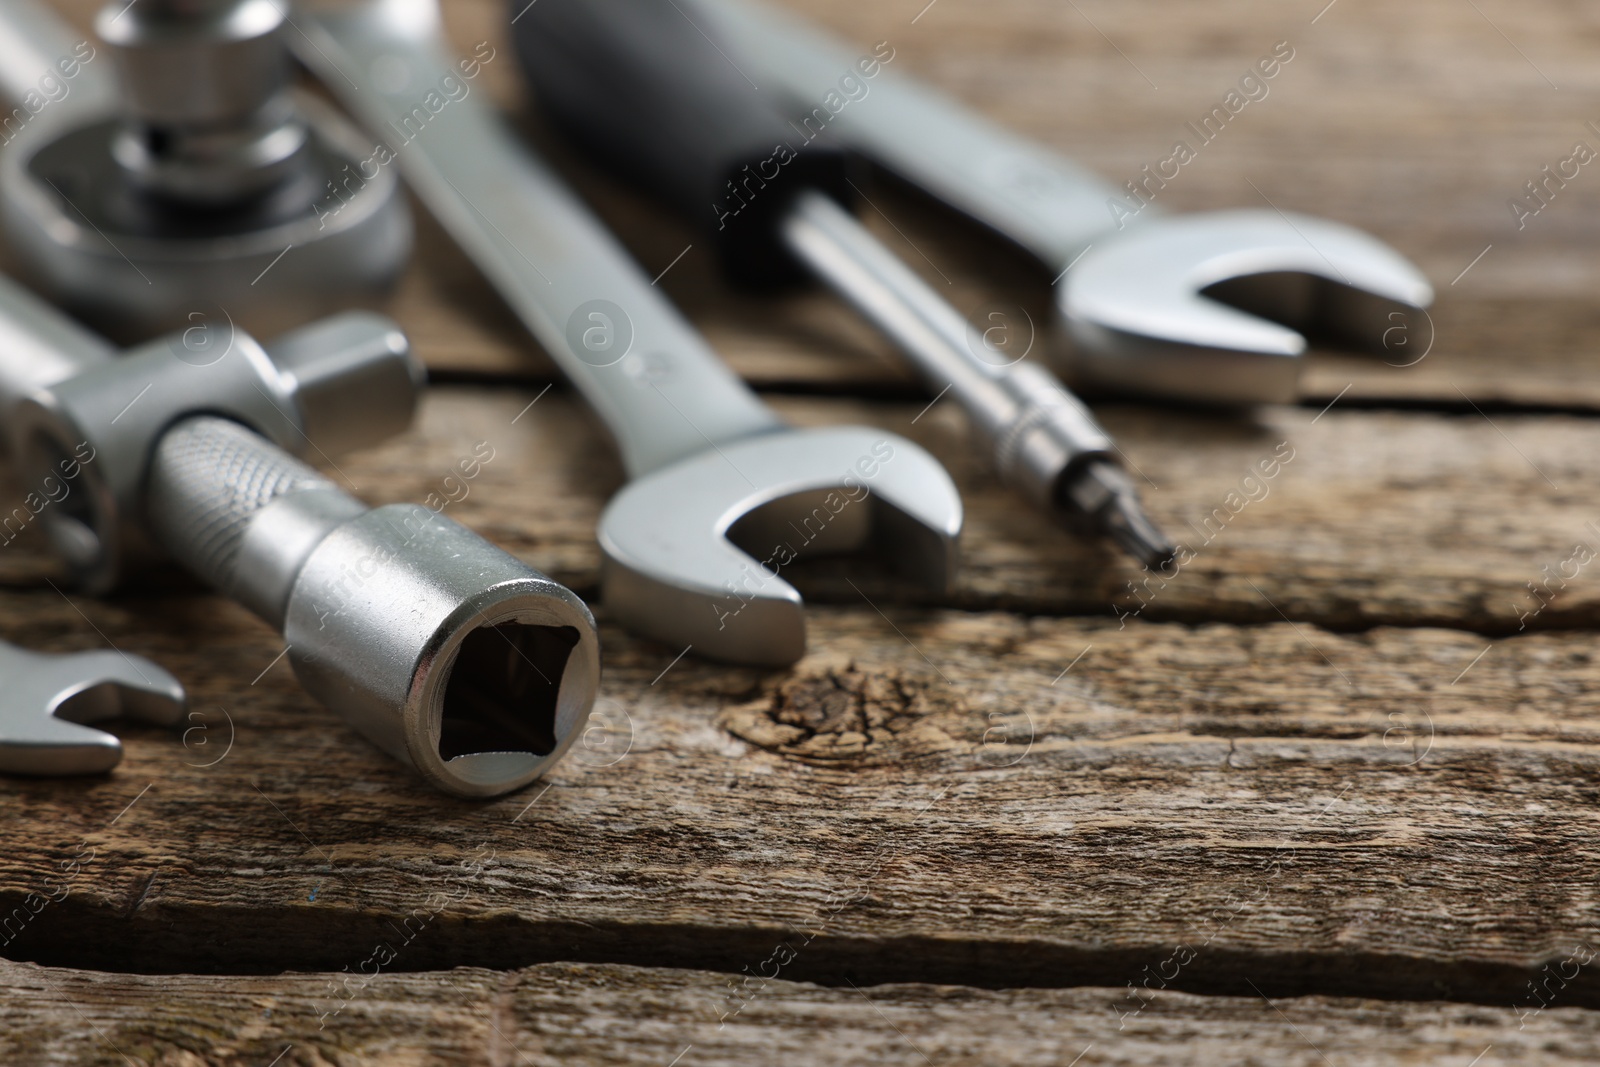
[
  {"x": 446, "y": 652},
  {"x": 179, "y": 171}
]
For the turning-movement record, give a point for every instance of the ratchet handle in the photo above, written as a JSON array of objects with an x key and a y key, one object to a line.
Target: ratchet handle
[{"x": 641, "y": 87}]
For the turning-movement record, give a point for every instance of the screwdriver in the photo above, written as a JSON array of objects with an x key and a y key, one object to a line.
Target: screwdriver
[{"x": 644, "y": 89}]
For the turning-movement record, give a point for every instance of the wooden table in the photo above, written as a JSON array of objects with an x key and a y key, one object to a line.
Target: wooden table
[{"x": 1329, "y": 797}]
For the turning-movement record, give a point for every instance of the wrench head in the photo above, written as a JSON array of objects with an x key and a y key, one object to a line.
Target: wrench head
[
  {"x": 674, "y": 567},
  {"x": 47, "y": 699},
  {"x": 1146, "y": 314}
]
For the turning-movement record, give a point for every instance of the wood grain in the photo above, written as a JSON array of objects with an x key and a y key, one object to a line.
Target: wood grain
[
  {"x": 1346, "y": 753},
  {"x": 1373, "y": 517},
  {"x": 975, "y": 799},
  {"x": 610, "y": 1015}
]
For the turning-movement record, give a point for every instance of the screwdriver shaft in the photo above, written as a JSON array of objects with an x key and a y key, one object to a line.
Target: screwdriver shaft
[{"x": 1045, "y": 441}]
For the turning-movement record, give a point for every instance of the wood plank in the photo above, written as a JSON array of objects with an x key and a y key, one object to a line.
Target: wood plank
[
  {"x": 1379, "y": 518},
  {"x": 969, "y": 789},
  {"x": 1425, "y": 154},
  {"x": 611, "y": 1015},
  {"x": 978, "y": 799}
]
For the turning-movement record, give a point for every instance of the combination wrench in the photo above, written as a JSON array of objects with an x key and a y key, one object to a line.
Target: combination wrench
[
  {"x": 1137, "y": 297},
  {"x": 649, "y": 93},
  {"x": 49, "y": 701},
  {"x": 722, "y": 495}
]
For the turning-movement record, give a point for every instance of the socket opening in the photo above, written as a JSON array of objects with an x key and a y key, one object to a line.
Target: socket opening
[{"x": 503, "y": 690}]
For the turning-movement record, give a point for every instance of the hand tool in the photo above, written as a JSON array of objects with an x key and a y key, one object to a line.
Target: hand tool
[
  {"x": 1142, "y": 302},
  {"x": 47, "y": 699},
  {"x": 649, "y": 93},
  {"x": 448, "y": 653},
  {"x": 41, "y": 55},
  {"x": 708, "y": 461},
  {"x": 209, "y": 184}
]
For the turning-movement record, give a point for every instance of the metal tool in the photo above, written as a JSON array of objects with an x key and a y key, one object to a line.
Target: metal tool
[
  {"x": 47, "y": 700},
  {"x": 1142, "y": 302},
  {"x": 446, "y": 652},
  {"x": 711, "y": 467},
  {"x": 647, "y": 91},
  {"x": 179, "y": 174}
]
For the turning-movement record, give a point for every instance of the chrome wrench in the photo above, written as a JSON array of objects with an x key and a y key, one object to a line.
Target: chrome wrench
[
  {"x": 649, "y": 95},
  {"x": 1132, "y": 299},
  {"x": 49, "y": 700}
]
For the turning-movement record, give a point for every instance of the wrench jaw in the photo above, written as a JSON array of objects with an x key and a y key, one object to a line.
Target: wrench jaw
[
  {"x": 674, "y": 572},
  {"x": 1210, "y": 308},
  {"x": 50, "y": 700},
  {"x": 1108, "y": 362}
]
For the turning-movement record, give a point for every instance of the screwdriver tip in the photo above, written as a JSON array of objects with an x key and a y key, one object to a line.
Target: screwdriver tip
[
  {"x": 1103, "y": 502},
  {"x": 1131, "y": 528}
]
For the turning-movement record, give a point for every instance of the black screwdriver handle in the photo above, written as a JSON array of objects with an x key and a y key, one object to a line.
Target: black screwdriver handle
[{"x": 640, "y": 86}]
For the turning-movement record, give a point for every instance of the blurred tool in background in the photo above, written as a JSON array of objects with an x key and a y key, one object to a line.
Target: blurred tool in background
[
  {"x": 1142, "y": 300},
  {"x": 445, "y": 651},
  {"x": 47, "y": 702},
  {"x": 712, "y": 468},
  {"x": 179, "y": 176},
  {"x": 646, "y": 91}
]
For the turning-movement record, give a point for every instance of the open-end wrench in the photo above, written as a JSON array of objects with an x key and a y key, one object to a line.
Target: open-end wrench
[
  {"x": 446, "y": 652},
  {"x": 707, "y": 460},
  {"x": 46, "y": 702},
  {"x": 1133, "y": 296},
  {"x": 649, "y": 93}
]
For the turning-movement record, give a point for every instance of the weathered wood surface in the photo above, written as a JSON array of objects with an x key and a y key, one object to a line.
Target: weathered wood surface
[
  {"x": 1393, "y": 795},
  {"x": 607, "y": 1015},
  {"x": 1373, "y": 517},
  {"x": 1404, "y": 812}
]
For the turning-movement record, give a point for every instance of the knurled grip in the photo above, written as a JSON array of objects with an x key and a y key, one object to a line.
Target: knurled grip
[{"x": 209, "y": 478}]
